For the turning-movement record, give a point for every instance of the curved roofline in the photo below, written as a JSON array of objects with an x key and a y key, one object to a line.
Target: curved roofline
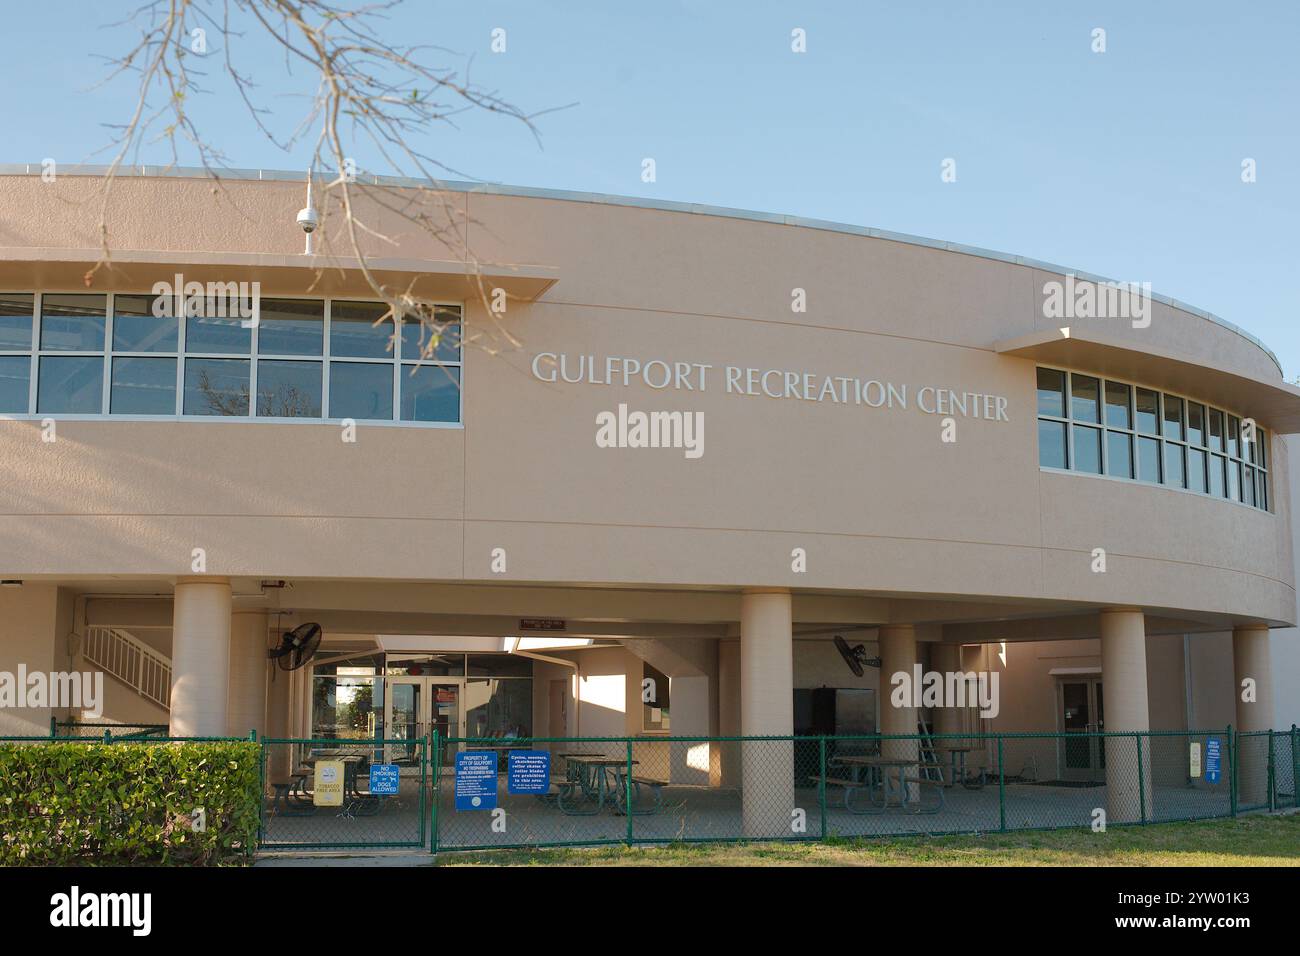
[{"x": 496, "y": 189}]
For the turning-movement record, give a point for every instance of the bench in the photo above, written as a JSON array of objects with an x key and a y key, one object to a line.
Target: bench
[
  {"x": 851, "y": 787},
  {"x": 284, "y": 799},
  {"x": 656, "y": 788},
  {"x": 921, "y": 783}
]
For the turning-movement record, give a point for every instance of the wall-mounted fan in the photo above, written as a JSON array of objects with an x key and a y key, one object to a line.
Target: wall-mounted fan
[
  {"x": 296, "y": 647},
  {"x": 856, "y": 657}
]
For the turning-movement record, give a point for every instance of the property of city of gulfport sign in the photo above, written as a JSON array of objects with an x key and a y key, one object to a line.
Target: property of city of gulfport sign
[{"x": 784, "y": 384}]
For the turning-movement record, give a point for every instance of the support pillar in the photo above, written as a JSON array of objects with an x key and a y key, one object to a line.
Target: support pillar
[
  {"x": 767, "y": 709},
  {"x": 1124, "y": 680},
  {"x": 246, "y": 701},
  {"x": 946, "y": 659},
  {"x": 729, "y": 711},
  {"x": 898, "y": 656},
  {"x": 200, "y": 657},
  {"x": 1251, "y": 661}
]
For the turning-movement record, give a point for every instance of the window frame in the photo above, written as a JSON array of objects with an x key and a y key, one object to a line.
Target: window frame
[
  {"x": 1183, "y": 447},
  {"x": 394, "y": 360}
]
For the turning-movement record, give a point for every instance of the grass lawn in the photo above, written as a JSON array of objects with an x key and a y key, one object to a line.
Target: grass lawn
[{"x": 1247, "y": 841}]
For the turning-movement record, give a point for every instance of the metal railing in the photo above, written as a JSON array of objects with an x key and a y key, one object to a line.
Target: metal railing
[
  {"x": 136, "y": 664},
  {"x": 108, "y": 732}
]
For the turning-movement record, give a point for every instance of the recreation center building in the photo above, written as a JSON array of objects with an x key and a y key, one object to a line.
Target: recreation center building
[{"x": 678, "y": 447}]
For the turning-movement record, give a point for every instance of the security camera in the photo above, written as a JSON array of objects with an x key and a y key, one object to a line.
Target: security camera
[{"x": 308, "y": 220}]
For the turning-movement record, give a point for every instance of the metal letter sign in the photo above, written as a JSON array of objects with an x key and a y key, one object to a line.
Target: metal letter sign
[
  {"x": 476, "y": 780},
  {"x": 528, "y": 771},
  {"x": 384, "y": 779},
  {"x": 1212, "y": 760}
]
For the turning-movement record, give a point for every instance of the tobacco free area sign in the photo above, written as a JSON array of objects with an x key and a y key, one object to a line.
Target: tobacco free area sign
[{"x": 476, "y": 780}]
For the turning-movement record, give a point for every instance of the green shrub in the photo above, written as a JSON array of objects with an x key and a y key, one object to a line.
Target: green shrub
[{"x": 100, "y": 804}]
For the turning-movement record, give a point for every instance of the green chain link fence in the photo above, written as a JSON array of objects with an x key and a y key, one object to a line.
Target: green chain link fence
[
  {"x": 811, "y": 788},
  {"x": 701, "y": 789}
]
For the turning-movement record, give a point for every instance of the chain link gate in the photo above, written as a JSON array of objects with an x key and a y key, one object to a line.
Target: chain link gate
[{"x": 324, "y": 793}]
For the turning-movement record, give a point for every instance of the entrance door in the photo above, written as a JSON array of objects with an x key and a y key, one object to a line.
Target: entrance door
[
  {"x": 406, "y": 717},
  {"x": 415, "y": 706},
  {"x": 1080, "y": 703},
  {"x": 444, "y": 696}
]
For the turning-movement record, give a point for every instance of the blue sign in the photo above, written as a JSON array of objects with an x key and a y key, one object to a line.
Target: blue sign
[
  {"x": 384, "y": 779},
  {"x": 528, "y": 771},
  {"x": 476, "y": 780},
  {"x": 1212, "y": 760}
]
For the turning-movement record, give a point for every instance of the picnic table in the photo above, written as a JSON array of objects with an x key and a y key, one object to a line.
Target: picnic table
[
  {"x": 588, "y": 774},
  {"x": 957, "y": 757},
  {"x": 878, "y": 774}
]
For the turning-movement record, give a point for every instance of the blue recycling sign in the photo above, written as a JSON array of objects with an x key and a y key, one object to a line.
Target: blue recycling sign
[
  {"x": 384, "y": 779},
  {"x": 1212, "y": 763},
  {"x": 476, "y": 780},
  {"x": 528, "y": 771}
]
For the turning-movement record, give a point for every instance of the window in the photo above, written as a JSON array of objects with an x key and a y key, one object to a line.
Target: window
[
  {"x": 654, "y": 699},
  {"x": 98, "y": 354},
  {"x": 17, "y": 312},
  {"x": 1096, "y": 426},
  {"x": 70, "y": 367}
]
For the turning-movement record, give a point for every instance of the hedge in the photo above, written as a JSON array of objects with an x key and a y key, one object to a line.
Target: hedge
[{"x": 128, "y": 803}]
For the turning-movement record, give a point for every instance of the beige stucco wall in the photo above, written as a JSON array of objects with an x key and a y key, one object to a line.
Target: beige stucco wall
[
  {"x": 878, "y": 501},
  {"x": 35, "y": 622}
]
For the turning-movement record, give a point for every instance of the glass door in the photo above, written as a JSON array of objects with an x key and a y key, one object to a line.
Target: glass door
[
  {"x": 406, "y": 717},
  {"x": 444, "y": 696},
  {"x": 1080, "y": 712}
]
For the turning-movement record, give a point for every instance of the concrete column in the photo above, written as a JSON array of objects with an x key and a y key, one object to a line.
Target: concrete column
[
  {"x": 1124, "y": 683},
  {"x": 946, "y": 659},
  {"x": 246, "y": 700},
  {"x": 1251, "y": 661},
  {"x": 972, "y": 662},
  {"x": 200, "y": 657},
  {"x": 898, "y": 656},
  {"x": 729, "y": 711},
  {"x": 767, "y": 709}
]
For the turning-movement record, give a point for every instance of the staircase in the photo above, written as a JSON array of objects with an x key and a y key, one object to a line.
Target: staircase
[{"x": 131, "y": 661}]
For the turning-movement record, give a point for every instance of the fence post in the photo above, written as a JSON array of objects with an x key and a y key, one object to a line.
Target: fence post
[
  {"x": 1232, "y": 771},
  {"x": 436, "y": 794},
  {"x": 1002, "y": 790},
  {"x": 424, "y": 778},
  {"x": 1272, "y": 776},
  {"x": 261, "y": 801},
  {"x": 627, "y": 791},
  {"x": 1142, "y": 783},
  {"x": 252, "y": 735},
  {"x": 1295, "y": 769},
  {"x": 54, "y": 726},
  {"x": 108, "y": 736},
  {"x": 821, "y": 788}
]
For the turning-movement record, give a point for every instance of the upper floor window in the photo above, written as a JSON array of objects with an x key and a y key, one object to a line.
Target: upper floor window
[
  {"x": 80, "y": 354},
  {"x": 1104, "y": 427}
]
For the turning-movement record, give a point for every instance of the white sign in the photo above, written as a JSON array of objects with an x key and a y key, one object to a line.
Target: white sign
[{"x": 1194, "y": 771}]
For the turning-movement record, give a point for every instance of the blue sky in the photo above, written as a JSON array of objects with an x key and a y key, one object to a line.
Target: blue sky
[{"x": 1125, "y": 163}]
